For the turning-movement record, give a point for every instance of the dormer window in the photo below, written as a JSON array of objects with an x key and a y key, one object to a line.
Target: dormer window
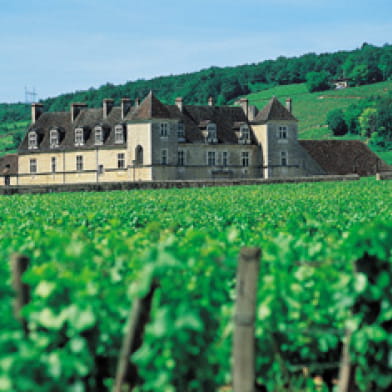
[
  {"x": 164, "y": 129},
  {"x": 211, "y": 131},
  {"x": 79, "y": 137},
  {"x": 244, "y": 132},
  {"x": 32, "y": 140},
  {"x": 98, "y": 133},
  {"x": 54, "y": 138},
  {"x": 282, "y": 133},
  {"x": 180, "y": 130},
  {"x": 119, "y": 134}
]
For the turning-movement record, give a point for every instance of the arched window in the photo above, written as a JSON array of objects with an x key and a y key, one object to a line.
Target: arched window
[
  {"x": 54, "y": 138},
  {"x": 139, "y": 155},
  {"x": 118, "y": 134},
  {"x": 32, "y": 140}
]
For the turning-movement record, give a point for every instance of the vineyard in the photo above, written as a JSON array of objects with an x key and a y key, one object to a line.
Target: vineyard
[{"x": 325, "y": 270}]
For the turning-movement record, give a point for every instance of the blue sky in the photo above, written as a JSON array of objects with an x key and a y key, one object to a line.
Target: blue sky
[{"x": 60, "y": 46}]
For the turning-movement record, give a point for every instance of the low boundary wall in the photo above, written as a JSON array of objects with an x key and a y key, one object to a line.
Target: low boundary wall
[
  {"x": 384, "y": 175},
  {"x": 113, "y": 186}
]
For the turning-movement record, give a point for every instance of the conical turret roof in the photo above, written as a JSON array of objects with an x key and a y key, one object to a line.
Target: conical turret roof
[
  {"x": 274, "y": 110},
  {"x": 150, "y": 108}
]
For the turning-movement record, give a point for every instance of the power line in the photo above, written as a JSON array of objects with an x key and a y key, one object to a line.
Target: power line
[{"x": 30, "y": 96}]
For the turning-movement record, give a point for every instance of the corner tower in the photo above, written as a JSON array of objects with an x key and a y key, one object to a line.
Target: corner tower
[{"x": 276, "y": 130}]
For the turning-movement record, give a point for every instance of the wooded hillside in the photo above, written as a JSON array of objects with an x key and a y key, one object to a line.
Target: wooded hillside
[{"x": 366, "y": 65}]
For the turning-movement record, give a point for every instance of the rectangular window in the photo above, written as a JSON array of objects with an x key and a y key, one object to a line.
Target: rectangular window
[
  {"x": 118, "y": 134},
  {"x": 100, "y": 169},
  {"x": 79, "y": 162},
  {"x": 33, "y": 166},
  {"x": 98, "y": 137},
  {"x": 211, "y": 158},
  {"x": 53, "y": 164},
  {"x": 79, "y": 139},
  {"x": 32, "y": 143},
  {"x": 181, "y": 160},
  {"x": 211, "y": 129},
  {"x": 180, "y": 130},
  {"x": 245, "y": 158},
  {"x": 164, "y": 129},
  {"x": 225, "y": 158},
  {"x": 244, "y": 132},
  {"x": 163, "y": 157},
  {"x": 283, "y": 158},
  {"x": 282, "y": 132},
  {"x": 121, "y": 161},
  {"x": 54, "y": 138}
]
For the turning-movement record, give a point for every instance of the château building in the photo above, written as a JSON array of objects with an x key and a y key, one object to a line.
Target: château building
[{"x": 153, "y": 141}]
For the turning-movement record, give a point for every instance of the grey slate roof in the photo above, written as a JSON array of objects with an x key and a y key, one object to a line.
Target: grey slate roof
[
  {"x": 86, "y": 119},
  {"x": 195, "y": 118},
  {"x": 274, "y": 110},
  {"x": 344, "y": 157}
]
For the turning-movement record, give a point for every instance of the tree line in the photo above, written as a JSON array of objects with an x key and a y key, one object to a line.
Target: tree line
[{"x": 367, "y": 64}]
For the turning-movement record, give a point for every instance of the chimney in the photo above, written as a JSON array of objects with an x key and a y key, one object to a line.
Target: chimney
[
  {"x": 107, "y": 106},
  {"x": 137, "y": 102},
  {"x": 36, "y": 111},
  {"x": 179, "y": 103},
  {"x": 210, "y": 101},
  {"x": 252, "y": 112},
  {"x": 75, "y": 109},
  {"x": 289, "y": 105},
  {"x": 244, "y": 103},
  {"x": 125, "y": 106}
]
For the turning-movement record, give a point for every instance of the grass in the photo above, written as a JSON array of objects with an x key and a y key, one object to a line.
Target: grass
[
  {"x": 311, "y": 109},
  {"x": 386, "y": 156}
]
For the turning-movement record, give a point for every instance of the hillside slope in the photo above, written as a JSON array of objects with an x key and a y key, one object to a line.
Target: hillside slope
[{"x": 311, "y": 109}]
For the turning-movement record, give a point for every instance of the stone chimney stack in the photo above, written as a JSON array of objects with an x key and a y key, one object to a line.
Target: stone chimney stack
[
  {"x": 179, "y": 104},
  {"x": 244, "y": 103},
  {"x": 125, "y": 107},
  {"x": 289, "y": 104},
  {"x": 36, "y": 111},
  {"x": 107, "y": 106},
  {"x": 211, "y": 101},
  {"x": 137, "y": 102},
  {"x": 75, "y": 109}
]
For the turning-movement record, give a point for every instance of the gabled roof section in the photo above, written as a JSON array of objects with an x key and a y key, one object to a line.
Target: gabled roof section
[
  {"x": 344, "y": 157},
  {"x": 274, "y": 111},
  {"x": 150, "y": 108}
]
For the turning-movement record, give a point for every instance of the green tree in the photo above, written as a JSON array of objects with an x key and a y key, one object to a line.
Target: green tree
[
  {"x": 368, "y": 121},
  {"x": 336, "y": 122},
  {"x": 359, "y": 74},
  {"x": 317, "y": 81}
]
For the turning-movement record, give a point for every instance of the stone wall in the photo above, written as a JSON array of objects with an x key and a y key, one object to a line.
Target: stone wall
[
  {"x": 384, "y": 175},
  {"x": 101, "y": 187}
]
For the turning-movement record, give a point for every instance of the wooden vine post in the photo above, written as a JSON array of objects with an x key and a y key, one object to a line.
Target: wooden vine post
[
  {"x": 244, "y": 320},
  {"x": 126, "y": 372},
  {"x": 19, "y": 264},
  {"x": 346, "y": 370}
]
